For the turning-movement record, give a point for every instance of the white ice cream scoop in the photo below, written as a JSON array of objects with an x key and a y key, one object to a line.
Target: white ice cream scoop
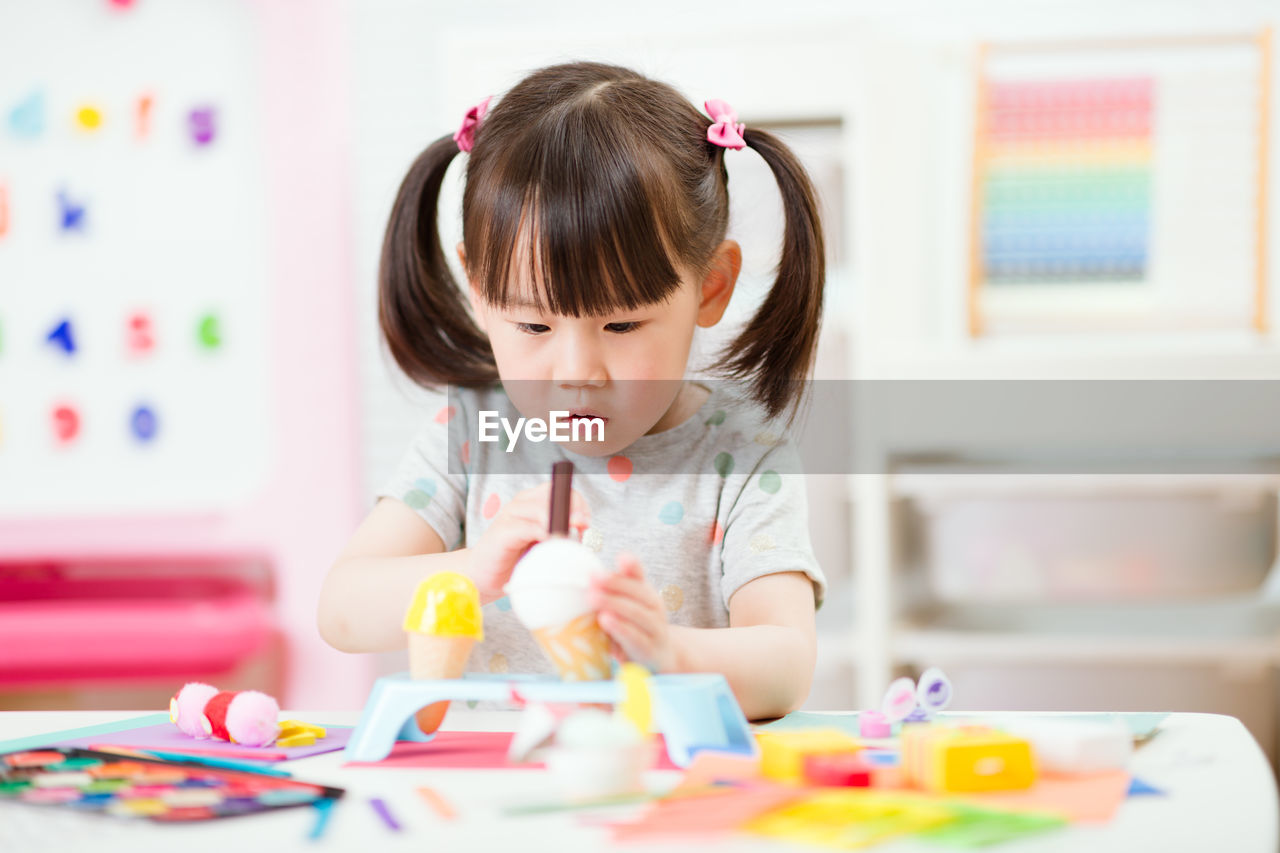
[{"x": 550, "y": 583}]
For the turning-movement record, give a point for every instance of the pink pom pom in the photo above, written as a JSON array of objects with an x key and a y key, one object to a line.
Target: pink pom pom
[
  {"x": 252, "y": 719},
  {"x": 187, "y": 707}
]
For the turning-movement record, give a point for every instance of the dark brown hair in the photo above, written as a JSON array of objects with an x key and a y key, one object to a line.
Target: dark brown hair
[{"x": 611, "y": 175}]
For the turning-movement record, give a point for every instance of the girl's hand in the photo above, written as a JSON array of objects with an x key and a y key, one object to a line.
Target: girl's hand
[
  {"x": 520, "y": 524},
  {"x": 631, "y": 612}
]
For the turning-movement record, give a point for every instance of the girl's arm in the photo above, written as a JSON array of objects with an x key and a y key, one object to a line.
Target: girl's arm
[
  {"x": 368, "y": 588},
  {"x": 767, "y": 653},
  {"x": 366, "y": 591}
]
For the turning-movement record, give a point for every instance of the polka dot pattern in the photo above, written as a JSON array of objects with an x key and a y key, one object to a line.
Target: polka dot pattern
[
  {"x": 593, "y": 539},
  {"x": 491, "y": 506},
  {"x": 619, "y": 468},
  {"x": 716, "y": 418},
  {"x": 716, "y": 533},
  {"x": 465, "y": 453},
  {"x": 768, "y": 439},
  {"x": 420, "y": 495},
  {"x": 724, "y": 463},
  {"x": 503, "y": 604},
  {"x": 770, "y": 482},
  {"x": 672, "y": 597},
  {"x": 671, "y": 512},
  {"x": 446, "y": 414},
  {"x": 760, "y": 543},
  {"x": 499, "y": 663}
]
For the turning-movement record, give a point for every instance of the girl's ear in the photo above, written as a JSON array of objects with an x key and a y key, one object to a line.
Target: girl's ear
[
  {"x": 717, "y": 285},
  {"x": 471, "y": 291}
]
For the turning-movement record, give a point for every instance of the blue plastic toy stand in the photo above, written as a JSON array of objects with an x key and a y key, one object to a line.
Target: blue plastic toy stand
[{"x": 693, "y": 711}]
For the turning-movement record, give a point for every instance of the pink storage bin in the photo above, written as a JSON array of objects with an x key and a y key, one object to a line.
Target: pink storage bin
[{"x": 66, "y": 624}]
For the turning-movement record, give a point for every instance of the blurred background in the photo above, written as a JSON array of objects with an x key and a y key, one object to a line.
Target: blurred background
[{"x": 195, "y": 407}]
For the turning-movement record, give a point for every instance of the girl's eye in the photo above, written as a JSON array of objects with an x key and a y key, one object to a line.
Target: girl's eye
[
  {"x": 622, "y": 328},
  {"x": 532, "y": 328}
]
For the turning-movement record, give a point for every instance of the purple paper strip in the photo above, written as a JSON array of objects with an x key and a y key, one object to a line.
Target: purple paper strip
[{"x": 167, "y": 737}]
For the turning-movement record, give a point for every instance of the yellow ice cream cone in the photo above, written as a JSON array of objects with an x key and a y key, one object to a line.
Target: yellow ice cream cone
[{"x": 443, "y": 623}]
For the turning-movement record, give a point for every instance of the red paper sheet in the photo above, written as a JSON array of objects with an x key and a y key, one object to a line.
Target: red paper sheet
[{"x": 470, "y": 751}]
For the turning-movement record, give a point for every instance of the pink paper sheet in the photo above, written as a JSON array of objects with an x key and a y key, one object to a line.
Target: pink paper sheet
[
  {"x": 470, "y": 751},
  {"x": 168, "y": 738}
]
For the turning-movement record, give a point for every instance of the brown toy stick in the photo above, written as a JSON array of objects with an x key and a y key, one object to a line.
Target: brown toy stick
[{"x": 561, "y": 481}]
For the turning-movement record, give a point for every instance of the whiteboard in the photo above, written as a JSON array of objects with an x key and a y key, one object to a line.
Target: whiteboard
[{"x": 133, "y": 209}]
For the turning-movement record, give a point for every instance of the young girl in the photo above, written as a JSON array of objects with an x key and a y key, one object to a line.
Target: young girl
[{"x": 594, "y": 218}]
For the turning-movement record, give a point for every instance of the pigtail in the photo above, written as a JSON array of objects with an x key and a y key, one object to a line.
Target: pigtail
[
  {"x": 776, "y": 348},
  {"x": 422, "y": 311}
]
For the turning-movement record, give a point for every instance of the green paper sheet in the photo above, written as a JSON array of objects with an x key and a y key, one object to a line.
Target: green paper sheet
[{"x": 47, "y": 738}]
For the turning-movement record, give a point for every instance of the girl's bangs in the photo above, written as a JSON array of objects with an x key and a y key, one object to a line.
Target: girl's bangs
[{"x": 572, "y": 236}]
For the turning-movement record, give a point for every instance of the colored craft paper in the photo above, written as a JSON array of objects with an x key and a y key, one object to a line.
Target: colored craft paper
[
  {"x": 708, "y": 813},
  {"x": 84, "y": 732},
  {"x": 1094, "y": 797},
  {"x": 262, "y": 754},
  {"x": 1138, "y": 788},
  {"x": 166, "y": 736},
  {"x": 470, "y": 751},
  {"x": 710, "y": 767},
  {"x": 850, "y": 819},
  {"x": 971, "y": 827}
]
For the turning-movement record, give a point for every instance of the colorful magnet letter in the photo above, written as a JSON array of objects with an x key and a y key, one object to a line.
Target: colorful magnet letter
[
  {"x": 89, "y": 118},
  {"x": 203, "y": 124},
  {"x": 71, "y": 214},
  {"x": 209, "y": 332},
  {"x": 63, "y": 337},
  {"x": 26, "y": 120},
  {"x": 140, "y": 338},
  {"x": 143, "y": 423},
  {"x": 66, "y": 424},
  {"x": 142, "y": 117}
]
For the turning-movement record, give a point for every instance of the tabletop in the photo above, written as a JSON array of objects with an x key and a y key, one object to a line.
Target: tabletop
[{"x": 1220, "y": 794}]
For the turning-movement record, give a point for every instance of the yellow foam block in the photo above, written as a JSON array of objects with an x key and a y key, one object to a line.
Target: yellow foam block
[
  {"x": 965, "y": 760},
  {"x": 782, "y": 754},
  {"x": 300, "y": 739}
]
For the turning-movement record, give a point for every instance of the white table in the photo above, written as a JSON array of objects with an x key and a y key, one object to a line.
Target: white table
[{"x": 1221, "y": 797}]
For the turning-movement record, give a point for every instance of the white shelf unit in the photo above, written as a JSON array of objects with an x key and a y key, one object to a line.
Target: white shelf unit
[{"x": 911, "y": 211}]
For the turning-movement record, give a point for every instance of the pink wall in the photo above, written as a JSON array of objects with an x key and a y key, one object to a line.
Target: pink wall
[{"x": 310, "y": 504}]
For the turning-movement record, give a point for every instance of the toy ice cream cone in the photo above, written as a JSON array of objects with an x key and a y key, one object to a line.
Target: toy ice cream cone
[
  {"x": 443, "y": 623},
  {"x": 578, "y": 648},
  {"x": 548, "y": 592}
]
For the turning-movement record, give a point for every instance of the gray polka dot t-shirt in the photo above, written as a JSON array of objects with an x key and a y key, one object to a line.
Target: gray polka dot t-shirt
[{"x": 707, "y": 506}]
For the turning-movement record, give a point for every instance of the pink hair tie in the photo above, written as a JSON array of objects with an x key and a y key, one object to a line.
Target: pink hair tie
[
  {"x": 726, "y": 131},
  {"x": 466, "y": 134}
]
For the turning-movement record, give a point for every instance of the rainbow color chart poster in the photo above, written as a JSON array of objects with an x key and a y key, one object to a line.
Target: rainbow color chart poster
[
  {"x": 1067, "y": 181},
  {"x": 1121, "y": 185}
]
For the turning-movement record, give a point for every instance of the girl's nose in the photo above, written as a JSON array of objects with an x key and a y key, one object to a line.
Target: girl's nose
[{"x": 579, "y": 363}]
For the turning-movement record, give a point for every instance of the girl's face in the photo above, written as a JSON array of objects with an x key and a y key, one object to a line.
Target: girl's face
[{"x": 626, "y": 367}]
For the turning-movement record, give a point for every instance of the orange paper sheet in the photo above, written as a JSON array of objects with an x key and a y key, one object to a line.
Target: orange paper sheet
[
  {"x": 1077, "y": 798},
  {"x": 711, "y": 813}
]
